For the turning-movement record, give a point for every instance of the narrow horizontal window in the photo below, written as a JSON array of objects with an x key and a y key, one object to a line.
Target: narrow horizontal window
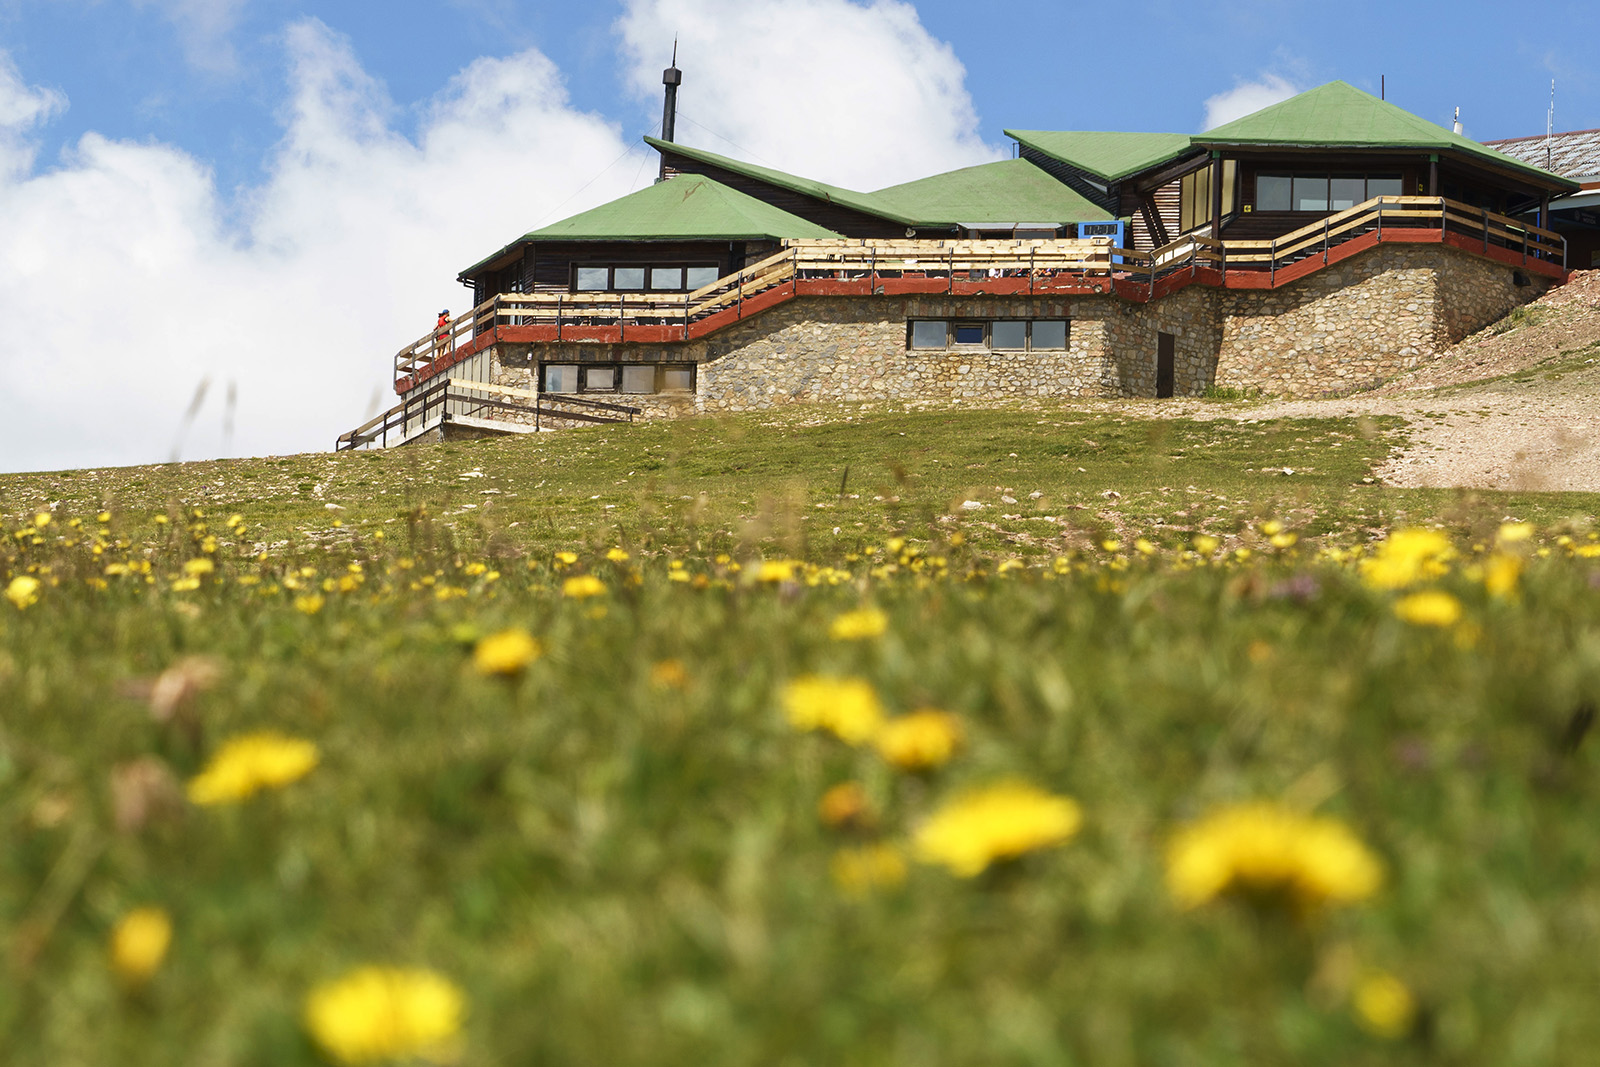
[
  {"x": 560, "y": 378},
  {"x": 592, "y": 279}
]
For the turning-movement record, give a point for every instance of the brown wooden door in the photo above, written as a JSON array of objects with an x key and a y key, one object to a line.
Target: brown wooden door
[{"x": 1165, "y": 355}]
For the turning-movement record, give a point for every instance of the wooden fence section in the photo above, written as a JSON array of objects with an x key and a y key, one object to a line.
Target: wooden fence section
[
  {"x": 974, "y": 268},
  {"x": 445, "y": 399}
]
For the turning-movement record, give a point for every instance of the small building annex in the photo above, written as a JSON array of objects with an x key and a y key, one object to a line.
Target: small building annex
[{"x": 1319, "y": 246}]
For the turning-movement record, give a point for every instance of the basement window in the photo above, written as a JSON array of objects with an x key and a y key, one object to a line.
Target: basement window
[
  {"x": 1000, "y": 335},
  {"x": 635, "y": 379},
  {"x": 639, "y": 378},
  {"x": 926, "y": 334},
  {"x": 1049, "y": 334},
  {"x": 677, "y": 379},
  {"x": 1008, "y": 333},
  {"x": 969, "y": 333},
  {"x": 560, "y": 378},
  {"x": 600, "y": 379}
]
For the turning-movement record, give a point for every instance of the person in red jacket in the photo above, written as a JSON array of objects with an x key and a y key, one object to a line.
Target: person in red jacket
[{"x": 441, "y": 330}]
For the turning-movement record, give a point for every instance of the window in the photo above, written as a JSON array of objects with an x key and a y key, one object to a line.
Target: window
[
  {"x": 1051, "y": 333},
  {"x": 930, "y": 334},
  {"x": 639, "y": 378},
  {"x": 666, "y": 277},
  {"x": 1321, "y": 192},
  {"x": 637, "y": 277},
  {"x": 592, "y": 279},
  {"x": 600, "y": 379},
  {"x": 677, "y": 379},
  {"x": 560, "y": 378},
  {"x": 969, "y": 333},
  {"x": 1008, "y": 333},
  {"x": 700, "y": 277},
  {"x": 624, "y": 279}
]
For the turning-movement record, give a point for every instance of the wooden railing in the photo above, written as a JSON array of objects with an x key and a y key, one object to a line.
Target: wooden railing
[
  {"x": 867, "y": 262},
  {"x": 441, "y": 399}
]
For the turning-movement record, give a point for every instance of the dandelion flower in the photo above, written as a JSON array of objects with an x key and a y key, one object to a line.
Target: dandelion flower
[
  {"x": 1205, "y": 544},
  {"x": 920, "y": 741},
  {"x": 139, "y": 943},
  {"x": 847, "y": 707},
  {"x": 384, "y": 1013},
  {"x": 859, "y": 871},
  {"x": 1429, "y": 608},
  {"x": 23, "y": 591},
  {"x": 309, "y": 604},
  {"x": 845, "y": 804},
  {"x": 859, "y": 625},
  {"x": 617, "y": 555},
  {"x": 1264, "y": 849},
  {"x": 1501, "y": 573},
  {"x": 776, "y": 570},
  {"x": 507, "y": 652},
  {"x": 194, "y": 568},
  {"x": 248, "y": 764},
  {"x": 1407, "y": 557},
  {"x": 1511, "y": 533},
  {"x": 582, "y": 586},
  {"x": 998, "y": 822},
  {"x": 669, "y": 674},
  {"x": 1384, "y": 1006}
]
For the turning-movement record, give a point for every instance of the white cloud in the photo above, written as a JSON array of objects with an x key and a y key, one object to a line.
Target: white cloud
[
  {"x": 123, "y": 283},
  {"x": 856, "y": 94},
  {"x": 1245, "y": 98},
  {"x": 203, "y": 28},
  {"x": 21, "y": 108}
]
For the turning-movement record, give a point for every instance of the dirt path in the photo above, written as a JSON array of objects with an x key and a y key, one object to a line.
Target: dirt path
[{"x": 1516, "y": 406}]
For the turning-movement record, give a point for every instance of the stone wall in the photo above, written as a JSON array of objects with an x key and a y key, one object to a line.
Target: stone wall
[{"x": 1346, "y": 327}]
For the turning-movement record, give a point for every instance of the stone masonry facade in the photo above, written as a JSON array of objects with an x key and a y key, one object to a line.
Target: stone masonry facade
[{"x": 1346, "y": 327}]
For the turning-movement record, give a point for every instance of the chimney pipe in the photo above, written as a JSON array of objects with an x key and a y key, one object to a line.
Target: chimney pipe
[{"x": 672, "y": 77}]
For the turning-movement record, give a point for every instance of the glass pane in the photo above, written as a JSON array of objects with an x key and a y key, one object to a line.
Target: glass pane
[
  {"x": 677, "y": 379},
  {"x": 1230, "y": 181},
  {"x": 593, "y": 278},
  {"x": 560, "y": 378},
  {"x": 699, "y": 277},
  {"x": 969, "y": 333},
  {"x": 629, "y": 278},
  {"x": 1272, "y": 192},
  {"x": 929, "y": 334},
  {"x": 1346, "y": 192},
  {"x": 1310, "y": 193},
  {"x": 666, "y": 277},
  {"x": 1050, "y": 334},
  {"x": 1009, "y": 334},
  {"x": 599, "y": 379},
  {"x": 1385, "y": 186},
  {"x": 639, "y": 379}
]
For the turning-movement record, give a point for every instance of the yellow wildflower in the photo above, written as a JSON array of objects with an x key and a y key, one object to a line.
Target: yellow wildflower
[
  {"x": 1407, "y": 557},
  {"x": 1261, "y": 848},
  {"x": 308, "y": 605},
  {"x": 582, "y": 586},
  {"x": 848, "y": 707},
  {"x": 1272, "y": 527},
  {"x": 859, "y": 625},
  {"x": 920, "y": 741},
  {"x": 23, "y": 591},
  {"x": 845, "y": 804},
  {"x": 565, "y": 559},
  {"x": 617, "y": 555},
  {"x": 1500, "y": 574},
  {"x": 1144, "y": 546},
  {"x": 1384, "y": 1006},
  {"x": 1286, "y": 539},
  {"x": 1429, "y": 608},
  {"x": 998, "y": 822},
  {"x": 776, "y": 570},
  {"x": 859, "y": 871},
  {"x": 246, "y": 765},
  {"x": 41, "y": 520},
  {"x": 1110, "y": 544},
  {"x": 1511, "y": 533},
  {"x": 385, "y": 1013},
  {"x": 1205, "y": 544},
  {"x": 139, "y": 943},
  {"x": 507, "y": 652},
  {"x": 669, "y": 674},
  {"x": 194, "y": 568}
]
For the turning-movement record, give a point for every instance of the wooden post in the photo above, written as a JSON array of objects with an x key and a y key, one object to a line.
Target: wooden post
[
  {"x": 1433, "y": 175},
  {"x": 1216, "y": 196},
  {"x": 1325, "y": 239}
]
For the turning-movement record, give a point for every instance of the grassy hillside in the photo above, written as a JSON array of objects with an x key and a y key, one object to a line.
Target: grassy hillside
[{"x": 619, "y": 841}]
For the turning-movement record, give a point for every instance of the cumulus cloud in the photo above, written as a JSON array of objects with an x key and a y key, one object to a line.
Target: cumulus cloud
[
  {"x": 1247, "y": 97},
  {"x": 203, "y": 27},
  {"x": 858, "y": 94},
  {"x": 125, "y": 279},
  {"x": 22, "y": 107}
]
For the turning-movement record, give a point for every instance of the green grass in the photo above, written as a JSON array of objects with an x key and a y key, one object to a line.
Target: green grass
[{"x": 619, "y": 871}]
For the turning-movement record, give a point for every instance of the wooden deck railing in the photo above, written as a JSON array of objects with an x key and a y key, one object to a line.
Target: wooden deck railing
[
  {"x": 909, "y": 265},
  {"x": 441, "y": 399}
]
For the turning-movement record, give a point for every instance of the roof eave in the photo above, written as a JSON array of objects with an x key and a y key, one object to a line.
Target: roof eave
[{"x": 1513, "y": 166}]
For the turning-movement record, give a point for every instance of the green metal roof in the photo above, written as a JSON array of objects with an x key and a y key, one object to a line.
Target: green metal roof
[
  {"x": 684, "y": 207},
  {"x": 1110, "y": 156},
  {"x": 1340, "y": 115},
  {"x": 1010, "y": 191},
  {"x": 832, "y": 194}
]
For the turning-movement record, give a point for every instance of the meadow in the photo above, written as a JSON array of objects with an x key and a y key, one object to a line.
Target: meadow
[{"x": 1055, "y": 736}]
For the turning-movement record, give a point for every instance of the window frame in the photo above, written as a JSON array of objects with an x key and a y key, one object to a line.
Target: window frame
[{"x": 611, "y": 267}]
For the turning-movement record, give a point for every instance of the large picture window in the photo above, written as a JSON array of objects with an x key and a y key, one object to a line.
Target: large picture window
[
  {"x": 1321, "y": 192},
  {"x": 1001, "y": 335},
  {"x": 642, "y": 277}
]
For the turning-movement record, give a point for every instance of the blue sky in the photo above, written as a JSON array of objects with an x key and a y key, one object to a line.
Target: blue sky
[{"x": 277, "y": 196}]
